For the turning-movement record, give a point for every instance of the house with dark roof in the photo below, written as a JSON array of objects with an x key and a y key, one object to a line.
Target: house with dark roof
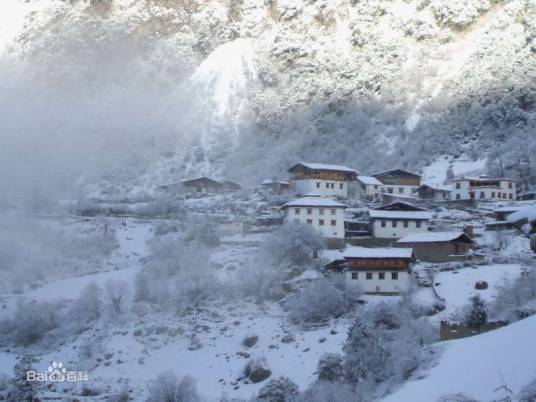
[
  {"x": 438, "y": 246},
  {"x": 322, "y": 179},
  {"x": 399, "y": 181}
]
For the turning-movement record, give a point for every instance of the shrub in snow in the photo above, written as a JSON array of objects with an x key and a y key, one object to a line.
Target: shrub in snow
[
  {"x": 117, "y": 292},
  {"x": 257, "y": 370},
  {"x": 528, "y": 392},
  {"x": 291, "y": 244},
  {"x": 481, "y": 285},
  {"x": 323, "y": 391},
  {"x": 317, "y": 302},
  {"x": 515, "y": 298},
  {"x": 32, "y": 320},
  {"x": 88, "y": 306},
  {"x": 278, "y": 390},
  {"x": 456, "y": 398},
  {"x": 330, "y": 367},
  {"x": 372, "y": 349},
  {"x": 168, "y": 387}
]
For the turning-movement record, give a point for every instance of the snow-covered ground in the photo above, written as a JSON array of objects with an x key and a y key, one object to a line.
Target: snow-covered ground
[{"x": 477, "y": 366}]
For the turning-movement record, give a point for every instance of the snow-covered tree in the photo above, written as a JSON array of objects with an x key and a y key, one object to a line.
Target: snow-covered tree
[
  {"x": 21, "y": 389},
  {"x": 278, "y": 390},
  {"x": 330, "y": 367},
  {"x": 168, "y": 387},
  {"x": 476, "y": 314}
]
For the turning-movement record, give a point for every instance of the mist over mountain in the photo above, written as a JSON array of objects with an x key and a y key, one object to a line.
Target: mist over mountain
[{"x": 120, "y": 96}]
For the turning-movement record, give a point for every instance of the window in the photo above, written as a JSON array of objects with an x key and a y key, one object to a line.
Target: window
[
  {"x": 333, "y": 211},
  {"x": 509, "y": 184},
  {"x": 472, "y": 195},
  {"x": 458, "y": 196},
  {"x": 383, "y": 223},
  {"x": 317, "y": 184},
  {"x": 309, "y": 211},
  {"x": 504, "y": 195},
  {"x": 296, "y": 211},
  {"x": 394, "y": 223},
  {"x": 341, "y": 186},
  {"x": 321, "y": 211},
  {"x": 401, "y": 190},
  {"x": 333, "y": 222},
  {"x": 493, "y": 194},
  {"x": 394, "y": 276},
  {"x": 418, "y": 224},
  {"x": 510, "y": 196},
  {"x": 321, "y": 222},
  {"x": 390, "y": 191},
  {"x": 354, "y": 275},
  {"x": 332, "y": 185},
  {"x": 482, "y": 194},
  {"x": 375, "y": 187},
  {"x": 458, "y": 186},
  {"x": 369, "y": 275},
  {"x": 381, "y": 275},
  {"x": 406, "y": 224},
  {"x": 327, "y": 185},
  {"x": 309, "y": 221}
]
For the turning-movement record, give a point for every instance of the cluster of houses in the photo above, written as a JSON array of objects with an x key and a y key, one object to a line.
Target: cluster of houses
[{"x": 397, "y": 229}]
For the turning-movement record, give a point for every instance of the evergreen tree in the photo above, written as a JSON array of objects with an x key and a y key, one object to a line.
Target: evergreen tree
[
  {"x": 477, "y": 314},
  {"x": 22, "y": 390}
]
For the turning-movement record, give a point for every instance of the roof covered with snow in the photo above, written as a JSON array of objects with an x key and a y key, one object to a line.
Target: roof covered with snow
[
  {"x": 416, "y": 215},
  {"x": 323, "y": 166},
  {"x": 434, "y": 237},
  {"x": 400, "y": 206},
  {"x": 314, "y": 202},
  {"x": 396, "y": 172},
  {"x": 369, "y": 180},
  {"x": 273, "y": 181},
  {"x": 438, "y": 187},
  {"x": 374, "y": 253},
  {"x": 482, "y": 178}
]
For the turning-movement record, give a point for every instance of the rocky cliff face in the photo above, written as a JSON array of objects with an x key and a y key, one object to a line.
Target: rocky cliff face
[{"x": 243, "y": 83}]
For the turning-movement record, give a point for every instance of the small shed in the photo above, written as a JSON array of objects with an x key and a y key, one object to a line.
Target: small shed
[{"x": 438, "y": 246}]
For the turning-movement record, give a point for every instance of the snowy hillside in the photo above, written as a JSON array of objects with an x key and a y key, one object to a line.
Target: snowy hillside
[{"x": 478, "y": 367}]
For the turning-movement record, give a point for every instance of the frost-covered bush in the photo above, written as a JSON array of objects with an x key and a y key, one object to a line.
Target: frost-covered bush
[
  {"x": 278, "y": 390},
  {"x": 330, "y": 367},
  {"x": 88, "y": 306},
  {"x": 372, "y": 350},
  {"x": 458, "y": 13},
  {"x": 291, "y": 244},
  {"x": 168, "y": 387},
  {"x": 31, "y": 322},
  {"x": 516, "y": 298},
  {"x": 528, "y": 392},
  {"x": 323, "y": 391},
  {"x": 317, "y": 302}
]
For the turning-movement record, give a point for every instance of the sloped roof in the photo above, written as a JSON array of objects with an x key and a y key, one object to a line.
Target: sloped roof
[
  {"x": 369, "y": 180},
  {"x": 323, "y": 166},
  {"x": 400, "y": 206},
  {"x": 434, "y": 237},
  {"x": 374, "y": 253},
  {"x": 314, "y": 202},
  {"x": 415, "y": 215},
  {"x": 402, "y": 172},
  {"x": 438, "y": 187},
  {"x": 482, "y": 178},
  {"x": 202, "y": 179}
]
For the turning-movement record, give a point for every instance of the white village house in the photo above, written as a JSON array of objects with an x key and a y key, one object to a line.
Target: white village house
[
  {"x": 398, "y": 219},
  {"x": 368, "y": 187},
  {"x": 483, "y": 188},
  {"x": 323, "y": 214},
  {"x": 379, "y": 270},
  {"x": 399, "y": 182},
  {"x": 321, "y": 179}
]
